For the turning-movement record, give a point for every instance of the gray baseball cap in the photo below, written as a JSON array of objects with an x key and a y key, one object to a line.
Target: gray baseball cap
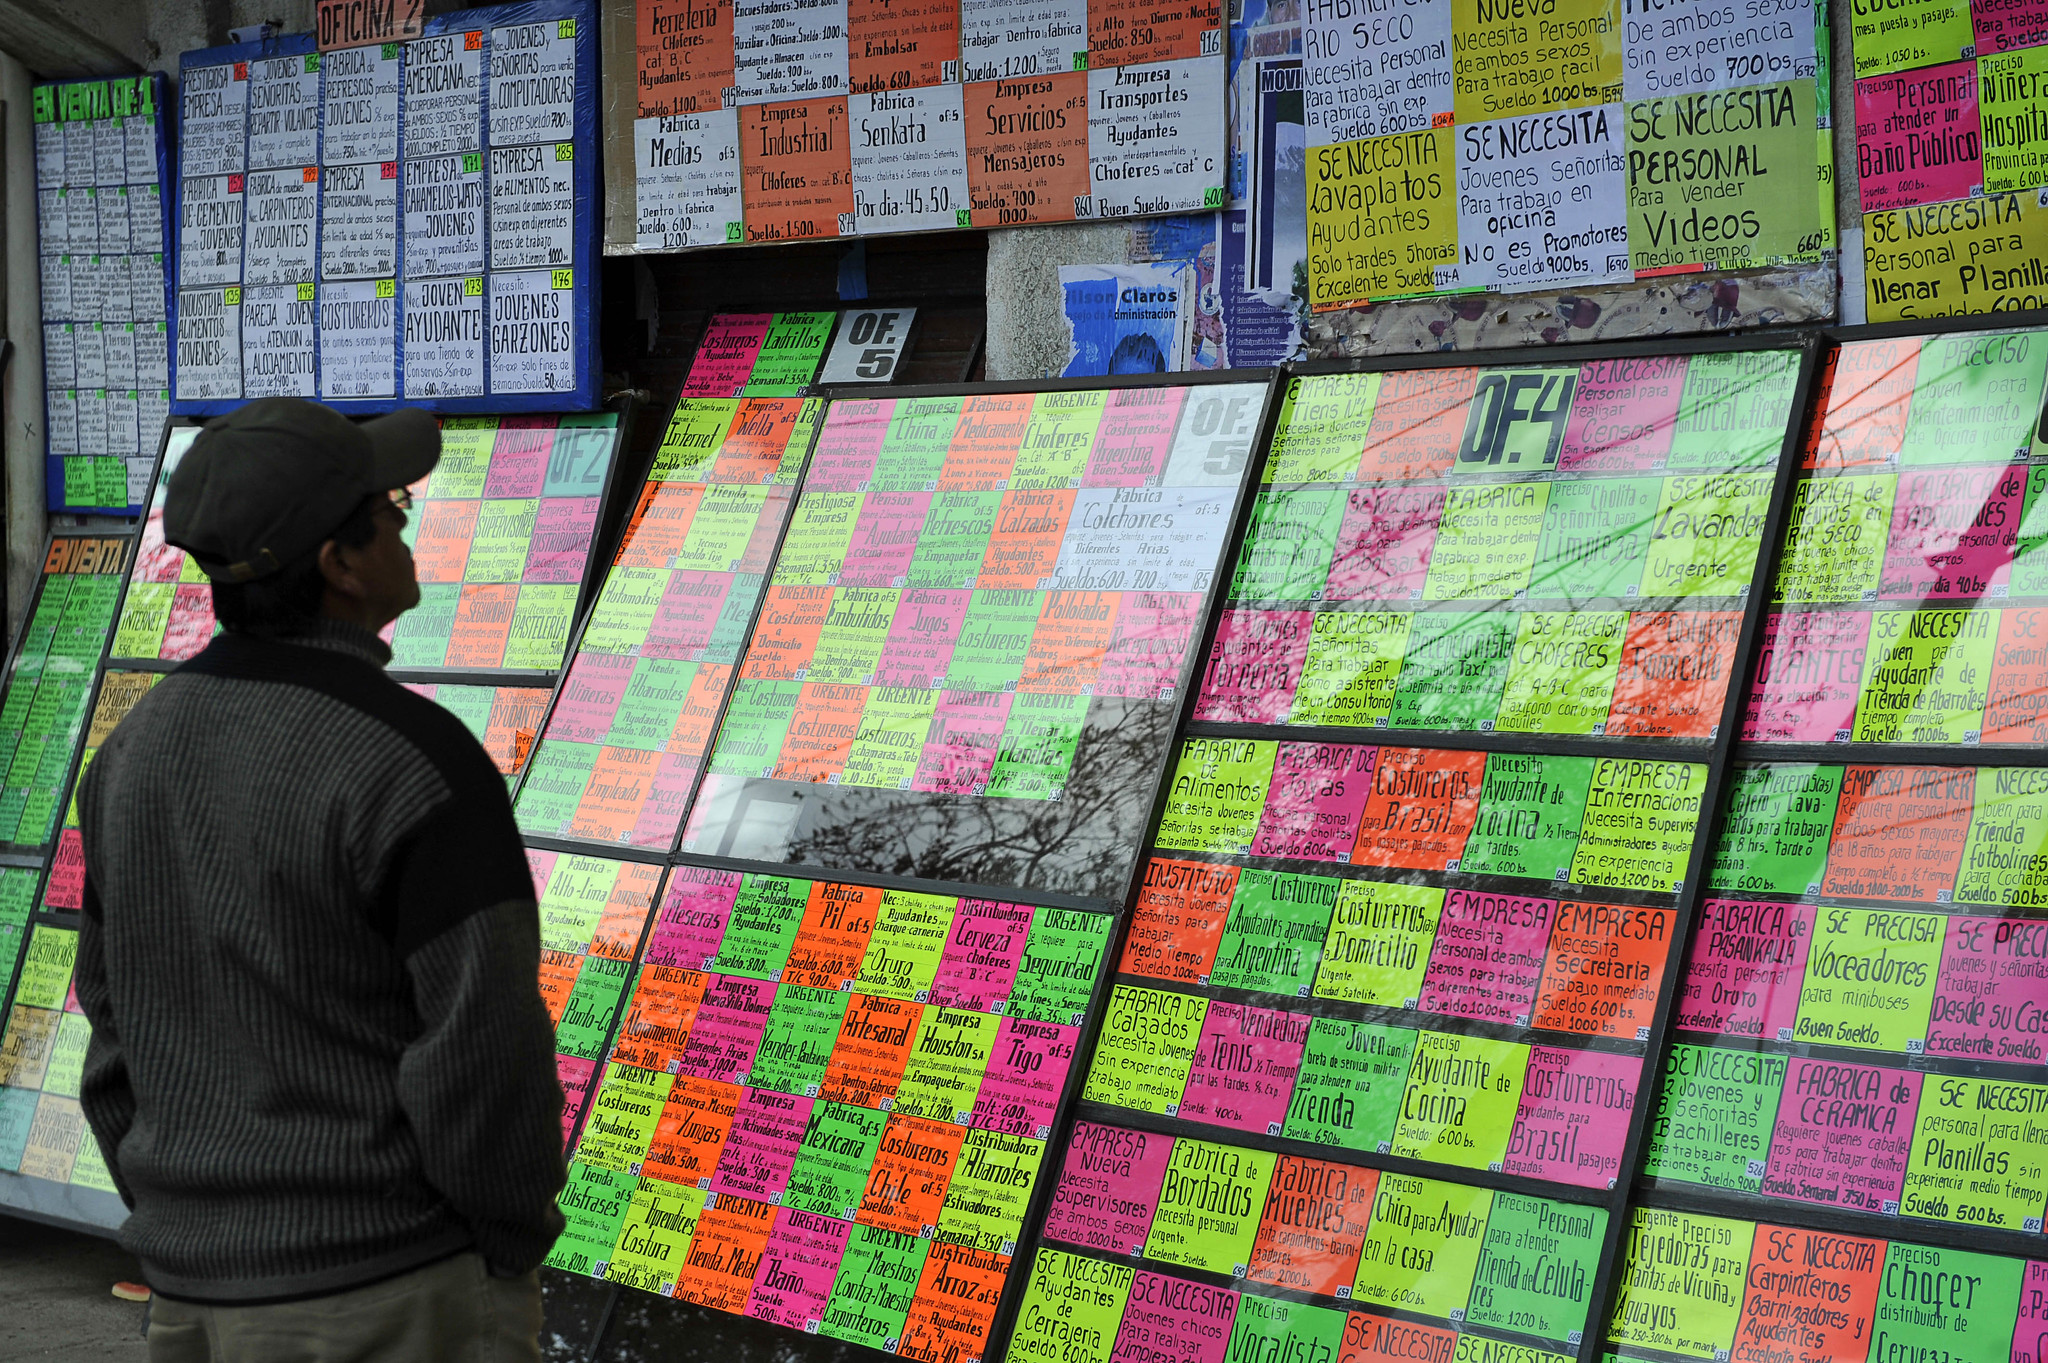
[{"x": 268, "y": 483}]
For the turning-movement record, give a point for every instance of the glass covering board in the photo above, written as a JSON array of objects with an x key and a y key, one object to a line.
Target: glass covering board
[
  {"x": 633, "y": 716},
  {"x": 967, "y": 657},
  {"x": 1541, "y": 549}
]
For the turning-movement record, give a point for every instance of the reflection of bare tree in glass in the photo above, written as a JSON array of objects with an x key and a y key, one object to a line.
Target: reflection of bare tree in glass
[{"x": 1083, "y": 843}]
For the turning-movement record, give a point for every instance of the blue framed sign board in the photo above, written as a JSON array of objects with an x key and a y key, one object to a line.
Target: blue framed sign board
[{"x": 405, "y": 223}]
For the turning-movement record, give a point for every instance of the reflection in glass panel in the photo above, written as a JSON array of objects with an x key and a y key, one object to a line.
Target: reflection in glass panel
[{"x": 1541, "y": 550}]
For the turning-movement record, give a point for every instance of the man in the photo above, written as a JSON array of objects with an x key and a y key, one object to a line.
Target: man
[{"x": 321, "y": 1072}]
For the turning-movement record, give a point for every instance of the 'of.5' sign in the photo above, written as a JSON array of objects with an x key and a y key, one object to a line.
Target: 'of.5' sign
[{"x": 869, "y": 345}]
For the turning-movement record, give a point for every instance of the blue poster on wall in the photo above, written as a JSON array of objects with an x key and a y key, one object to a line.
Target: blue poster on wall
[{"x": 402, "y": 224}]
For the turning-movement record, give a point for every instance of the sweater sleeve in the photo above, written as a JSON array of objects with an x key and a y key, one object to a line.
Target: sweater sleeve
[
  {"x": 479, "y": 1085},
  {"x": 104, "y": 1092},
  {"x": 478, "y": 1080}
]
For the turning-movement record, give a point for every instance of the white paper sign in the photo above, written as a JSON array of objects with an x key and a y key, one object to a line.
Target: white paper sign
[
  {"x": 145, "y": 218},
  {"x": 82, "y": 209},
  {"x": 1370, "y": 72},
  {"x": 533, "y": 332},
  {"x": 210, "y": 231},
  {"x": 359, "y": 221},
  {"x": 444, "y": 95},
  {"x": 358, "y": 339},
  {"x": 139, "y": 134},
  {"x": 122, "y": 273},
  {"x": 1156, "y": 137},
  {"x": 109, "y": 152},
  {"x": 1680, "y": 47},
  {"x": 281, "y": 210},
  {"x": 209, "y": 344},
  {"x": 909, "y": 150},
  {"x": 122, "y": 438},
  {"x": 868, "y": 346},
  {"x": 533, "y": 82},
  {"x": 56, "y": 271},
  {"x": 152, "y": 354},
  {"x": 141, "y": 465},
  {"x": 91, "y": 283},
  {"x": 60, "y": 408},
  {"x": 1143, "y": 538},
  {"x": 78, "y": 154},
  {"x": 278, "y": 326},
  {"x": 444, "y": 215},
  {"x": 89, "y": 355},
  {"x": 120, "y": 343},
  {"x": 53, "y": 221},
  {"x": 148, "y": 289},
  {"x": 284, "y": 111},
  {"x": 60, "y": 352},
  {"x": 49, "y": 153},
  {"x": 213, "y": 112},
  {"x": 360, "y": 105},
  {"x": 113, "y": 219},
  {"x": 533, "y": 206},
  {"x": 444, "y": 337},
  {"x": 788, "y": 49},
  {"x": 152, "y": 409},
  {"x": 1214, "y": 438},
  {"x": 1542, "y": 200},
  {"x": 92, "y": 421},
  {"x": 1003, "y": 38},
  {"x": 688, "y": 184}
]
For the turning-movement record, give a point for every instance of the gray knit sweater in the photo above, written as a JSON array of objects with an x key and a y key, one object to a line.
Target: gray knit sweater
[{"x": 309, "y": 955}]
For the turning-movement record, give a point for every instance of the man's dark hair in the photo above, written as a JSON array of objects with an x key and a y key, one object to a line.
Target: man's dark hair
[{"x": 286, "y": 601}]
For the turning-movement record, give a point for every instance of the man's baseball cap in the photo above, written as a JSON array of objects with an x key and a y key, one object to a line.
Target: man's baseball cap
[{"x": 268, "y": 483}]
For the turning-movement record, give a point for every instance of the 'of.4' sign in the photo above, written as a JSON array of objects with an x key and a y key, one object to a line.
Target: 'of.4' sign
[{"x": 1517, "y": 420}]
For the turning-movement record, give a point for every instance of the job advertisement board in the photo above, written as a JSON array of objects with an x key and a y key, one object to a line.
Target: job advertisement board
[
  {"x": 827, "y": 1106},
  {"x": 759, "y": 354},
  {"x": 626, "y": 736},
  {"x": 500, "y": 532},
  {"x": 970, "y": 648},
  {"x": 1561, "y": 549},
  {"x": 1951, "y": 156},
  {"x": 49, "y": 686},
  {"x": 402, "y": 223},
  {"x": 102, "y": 237},
  {"x": 758, "y": 123},
  {"x": 51, "y": 1166},
  {"x": 1911, "y": 570},
  {"x": 1321, "y": 925},
  {"x": 1723, "y": 1287},
  {"x": 1462, "y": 146}
]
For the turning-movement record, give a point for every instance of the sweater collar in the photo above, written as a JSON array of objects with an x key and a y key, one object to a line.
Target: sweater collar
[{"x": 339, "y": 636}]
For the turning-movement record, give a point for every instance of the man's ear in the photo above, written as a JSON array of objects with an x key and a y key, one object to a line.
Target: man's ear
[{"x": 339, "y": 573}]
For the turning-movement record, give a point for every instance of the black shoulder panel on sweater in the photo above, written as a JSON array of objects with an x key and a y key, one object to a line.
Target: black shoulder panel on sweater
[{"x": 464, "y": 856}]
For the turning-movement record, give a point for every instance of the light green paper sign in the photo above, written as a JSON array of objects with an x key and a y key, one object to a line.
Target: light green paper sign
[
  {"x": 1422, "y": 1245},
  {"x": 1348, "y": 675},
  {"x": 1217, "y": 796},
  {"x": 1378, "y": 943}
]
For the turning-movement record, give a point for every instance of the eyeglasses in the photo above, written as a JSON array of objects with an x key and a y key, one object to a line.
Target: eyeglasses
[{"x": 401, "y": 497}]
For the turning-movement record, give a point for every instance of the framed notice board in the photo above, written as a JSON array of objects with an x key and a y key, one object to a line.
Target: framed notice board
[
  {"x": 501, "y": 534},
  {"x": 102, "y": 239},
  {"x": 757, "y": 124},
  {"x": 405, "y": 222},
  {"x": 50, "y": 1167},
  {"x": 853, "y": 1074}
]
